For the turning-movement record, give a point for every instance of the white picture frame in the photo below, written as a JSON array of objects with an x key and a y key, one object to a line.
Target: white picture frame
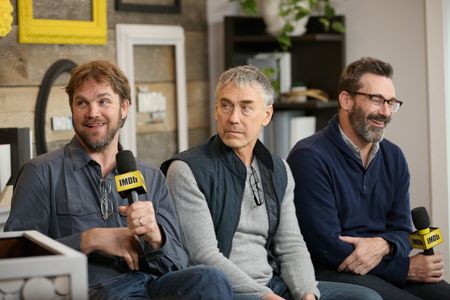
[{"x": 129, "y": 35}]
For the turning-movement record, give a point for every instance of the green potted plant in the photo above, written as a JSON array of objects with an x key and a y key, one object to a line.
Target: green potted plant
[{"x": 285, "y": 18}]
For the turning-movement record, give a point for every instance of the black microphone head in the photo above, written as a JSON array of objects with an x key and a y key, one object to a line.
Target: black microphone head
[
  {"x": 420, "y": 218},
  {"x": 125, "y": 162}
]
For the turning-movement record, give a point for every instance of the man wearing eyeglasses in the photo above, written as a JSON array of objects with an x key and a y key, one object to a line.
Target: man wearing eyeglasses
[
  {"x": 234, "y": 201},
  {"x": 352, "y": 194}
]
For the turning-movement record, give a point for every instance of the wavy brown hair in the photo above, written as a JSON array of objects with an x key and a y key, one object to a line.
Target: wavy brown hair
[{"x": 100, "y": 71}]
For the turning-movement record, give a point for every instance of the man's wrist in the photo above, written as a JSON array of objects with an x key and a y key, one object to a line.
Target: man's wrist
[
  {"x": 158, "y": 239},
  {"x": 86, "y": 241},
  {"x": 411, "y": 275},
  {"x": 388, "y": 250}
]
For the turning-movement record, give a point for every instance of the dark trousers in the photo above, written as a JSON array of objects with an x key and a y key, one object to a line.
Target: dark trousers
[
  {"x": 412, "y": 290},
  {"x": 193, "y": 283}
]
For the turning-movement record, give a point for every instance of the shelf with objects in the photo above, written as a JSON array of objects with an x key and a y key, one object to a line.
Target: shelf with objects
[{"x": 313, "y": 63}]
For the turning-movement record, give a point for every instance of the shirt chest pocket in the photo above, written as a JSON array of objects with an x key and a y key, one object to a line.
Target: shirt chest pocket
[
  {"x": 77, "y": 201},
  {"x": 77, "y": 213}
]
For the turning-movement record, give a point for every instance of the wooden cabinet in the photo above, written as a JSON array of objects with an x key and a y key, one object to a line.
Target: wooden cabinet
[{"x": 317, "y": 59}]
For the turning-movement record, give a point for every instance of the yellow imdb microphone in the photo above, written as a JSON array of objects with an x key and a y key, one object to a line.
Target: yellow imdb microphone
[
  {"x": 129, "y": 182},
  {"x": 425, "y": 237}
]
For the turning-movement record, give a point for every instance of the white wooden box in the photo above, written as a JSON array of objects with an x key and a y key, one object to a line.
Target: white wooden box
[{"x": 34, "y": 266}]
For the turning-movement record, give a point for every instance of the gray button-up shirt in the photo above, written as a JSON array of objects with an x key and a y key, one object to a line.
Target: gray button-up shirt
[{"x": 60, "y": 193}]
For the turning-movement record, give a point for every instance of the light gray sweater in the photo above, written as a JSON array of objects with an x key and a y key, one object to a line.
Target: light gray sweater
[{"x": 247, "y": 267}]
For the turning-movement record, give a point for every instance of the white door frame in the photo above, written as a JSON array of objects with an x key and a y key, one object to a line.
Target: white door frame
[{"x": 129, "y": 35}]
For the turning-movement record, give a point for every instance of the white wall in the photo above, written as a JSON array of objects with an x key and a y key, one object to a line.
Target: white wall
[
  {"x": 394, "y": 31},
  {"x": 409, "y": 34},
  {"x": 437, "y": 24}
]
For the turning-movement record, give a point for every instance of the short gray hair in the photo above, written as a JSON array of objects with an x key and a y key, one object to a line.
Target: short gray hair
[{"x": 245, "y": 75}]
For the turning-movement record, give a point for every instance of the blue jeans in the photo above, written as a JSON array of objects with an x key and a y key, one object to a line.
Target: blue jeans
[
  {"x": 193, "y": 283},
  {"x": 345, "y": 291},
  {"x": 411, "y": 291},
  {"x": 328, "y": 291}
]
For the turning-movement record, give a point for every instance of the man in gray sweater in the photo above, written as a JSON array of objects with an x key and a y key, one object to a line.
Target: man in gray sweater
[{"x": 234, "y": 201}]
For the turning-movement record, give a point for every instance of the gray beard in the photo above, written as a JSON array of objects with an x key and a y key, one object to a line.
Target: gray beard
[{"x": 363, "y": 129}]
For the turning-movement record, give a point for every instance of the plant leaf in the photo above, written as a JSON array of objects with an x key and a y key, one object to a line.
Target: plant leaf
[
  {"x": 287, "y": 28},
  {"x": 284, "y": 41},
  {"x": 301, "y": 13},
  {"x": 329, "y": 11},
  {"x": 338, "y": 26},
  {"x": 249, "y": 7},
  {"x": 313, "y": 4},
  {"x": 325, "y": 23}
]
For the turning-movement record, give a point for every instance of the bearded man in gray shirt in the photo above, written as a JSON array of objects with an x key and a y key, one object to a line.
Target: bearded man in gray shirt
[
  {"x": 69, "y": 194},
  {"x": 234, "y": 201}
]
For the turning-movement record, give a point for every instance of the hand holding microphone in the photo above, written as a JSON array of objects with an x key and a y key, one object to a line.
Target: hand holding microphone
[
  {"x": 130, "y": 183},
  {"x": 425, "y": 237},
  {"x": 428, "y": 267}
]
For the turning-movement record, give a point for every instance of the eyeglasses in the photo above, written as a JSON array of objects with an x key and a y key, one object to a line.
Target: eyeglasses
[
  {"x": 106, "y": 205},
  {"x": 256, "y": 190},
  {"x": 378, "y": 101}
]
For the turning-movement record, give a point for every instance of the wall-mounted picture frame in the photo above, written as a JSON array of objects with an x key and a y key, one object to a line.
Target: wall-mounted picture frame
[
  {"x": 47, "y": 31},
  {"x": 172, "y": 8},
  {"x": 130, "y": 35}
]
